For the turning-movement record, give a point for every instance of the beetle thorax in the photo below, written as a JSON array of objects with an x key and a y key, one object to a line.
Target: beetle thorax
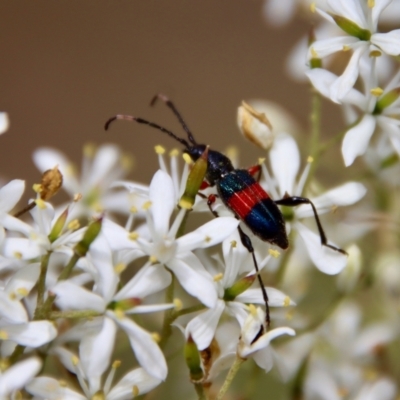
[{"x": 218, "y": 164}]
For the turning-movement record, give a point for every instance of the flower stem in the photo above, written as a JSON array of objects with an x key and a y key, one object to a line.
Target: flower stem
[
  {"x": 41, "y": 288},
  {"x": 231, "y": 374},
  {"x": 315, "y": 130}
]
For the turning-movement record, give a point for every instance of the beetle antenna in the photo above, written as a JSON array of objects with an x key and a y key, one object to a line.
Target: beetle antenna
[
  {"x": 171, "y": 105},
  {"x": 145, "y": 122}
]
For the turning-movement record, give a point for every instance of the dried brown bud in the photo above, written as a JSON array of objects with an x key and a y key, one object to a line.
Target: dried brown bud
[{"x": 52, "y": 180}]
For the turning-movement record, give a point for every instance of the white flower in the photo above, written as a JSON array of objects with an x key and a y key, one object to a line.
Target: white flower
[
  {"x": 350, "y": 15},
  {"x": 150, "y": 279},
  {"x": 236, "y": 263},
  {"x": 38, "y": 241},
  {"x": 162, "y": 245},
  {"x": 17, "y": 376},
  {"x": 4, "y": 122},
  {"x": 254, "y": 341},
  {"x": 357, "y": 138},
  {"x": 100, "y": 168},
  {"x": 285, "y": 163}
]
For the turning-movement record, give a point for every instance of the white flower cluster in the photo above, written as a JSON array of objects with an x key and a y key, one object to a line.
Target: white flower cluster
[
  {"x": 38, "y": 296},
  {"x": 121, "y": 267}
]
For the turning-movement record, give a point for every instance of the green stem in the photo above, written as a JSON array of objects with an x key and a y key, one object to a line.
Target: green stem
[
  {"x": 66, "y": 272},
  {"x": 168, "y": 316},
  {"x": 41, "y": 288},
  {"x": 315, "y": 125},
  {"x": 231, "y": 374},
  {"x": 200, "y": 391},
  {"x": 74, "y": 314}
]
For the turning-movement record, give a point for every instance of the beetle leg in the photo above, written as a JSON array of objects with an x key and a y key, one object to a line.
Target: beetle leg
[
  {"x": 293, "y": 201},
  {"x": 255, "y": 169},
  {"x": 249, "y": 246}
]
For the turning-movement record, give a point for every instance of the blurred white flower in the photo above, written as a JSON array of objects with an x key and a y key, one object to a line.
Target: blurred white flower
[
  {"x": 285, "y": 164},
  {"x": 360, "y": 23},
  {"x": 100, "y": 168}
]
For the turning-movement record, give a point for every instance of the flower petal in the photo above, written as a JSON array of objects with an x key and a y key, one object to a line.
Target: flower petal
[
  {"x": 327, "y": 260},
  {"x": 139, "y": 379},
  {"x": 202, "y": 328},
  {"x": 18, "y": 375},
  {"x": 10, "y": 195},
  {"x": 44, "y": 387},
  {"x": 96, "y": 346},
  {"x": 162, "y": 201},
  {"x": 356, "y": 140},
  {"x": 342, "y": 86},
  {"x": 31, "y": 334},
  {"x": 388, "y": 42},
  {"x": 209, "y": 234},
  {"x": 147, "y": 352},
  {"x": 285, "y": 162},
  {"x": 73, "y": 297},
  {"x": 276, "y": 298},
  {"x": 199, "y": 285}
]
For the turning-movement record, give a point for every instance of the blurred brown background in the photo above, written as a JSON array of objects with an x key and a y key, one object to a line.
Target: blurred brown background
[{"x": 69, "y": 65}]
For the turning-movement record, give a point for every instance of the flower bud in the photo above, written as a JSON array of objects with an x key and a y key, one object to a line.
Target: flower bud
[
  {"x": 386, "y": 100},
  {"x": 52, "y": 180},
  {"x": 90, "y": 235},
  {"x": 194, "y": 181},
  {"x": 58, "y": 226},
  {"x": 193, "y": 361},
  {"x": 238, "y": 287},
  {"x": 255, "y": 126},
  {"x": 351, "y": 27}
]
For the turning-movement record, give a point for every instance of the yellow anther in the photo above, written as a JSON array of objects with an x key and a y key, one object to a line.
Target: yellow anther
[
  {"x": 289, "y": 315},
  {"x": 135, "y": 391},
  {"x": 77, "y": 197},
  {"x": 12, "y": 296},
  {"x": 334, "y": 208},
  {"x": 310, "y": 159},
  {"x": 119, "y": 313},
  {"x": 73, "y": 225},
  {"x": 274, "y": 253},
  {"x": 377, "y": 91},
  {"x": 314, "y": 53},
  {"x": 375, "y": 53},
  {"x": 37, "y": 187},
  {"x": 62, "y": 383},
  {"x": 174, "y": 153},
  {"x": 187, "y": 158},
  {"x": 116, "y": 364},
  {"x": 22, "y": 291},
  {"x": 146, "y": 205},
  {"x": 75, "y": 360},
  {"x": 97, "y": 207},
  {"x": 207, "y": 239},
  {"x": 3, "y": 335},
  {"x": 261, "y": 160},
  {"x": 252, "y": 309},
  {"x": 41, "y": 204},
  {"x": 89, "y": 150},
  {"x": 233, "y": 244},
  {"x": 232, "y": 152},
  {"x": 346, "y": 47},
  {"x": 371, "y": 3},
  {"x": 133, "y": 235},
  {"x": 17, "y": 255},
  {"x": 178, "y": 304},
  {"x": 313, "y": 7},
  {"x": 70, "y": 170},
  {"x": 127, "y": 162},
  {"x": 119, "y": 268},
  {"x": 159, "y": 149},
  {"x": 156, "y": 337},
  {"x": 133, "y": 210},
  {"x": 153, "y": 259},
  {"x": 286, "y": 301},
  {"x": 218, "y": 277}
]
